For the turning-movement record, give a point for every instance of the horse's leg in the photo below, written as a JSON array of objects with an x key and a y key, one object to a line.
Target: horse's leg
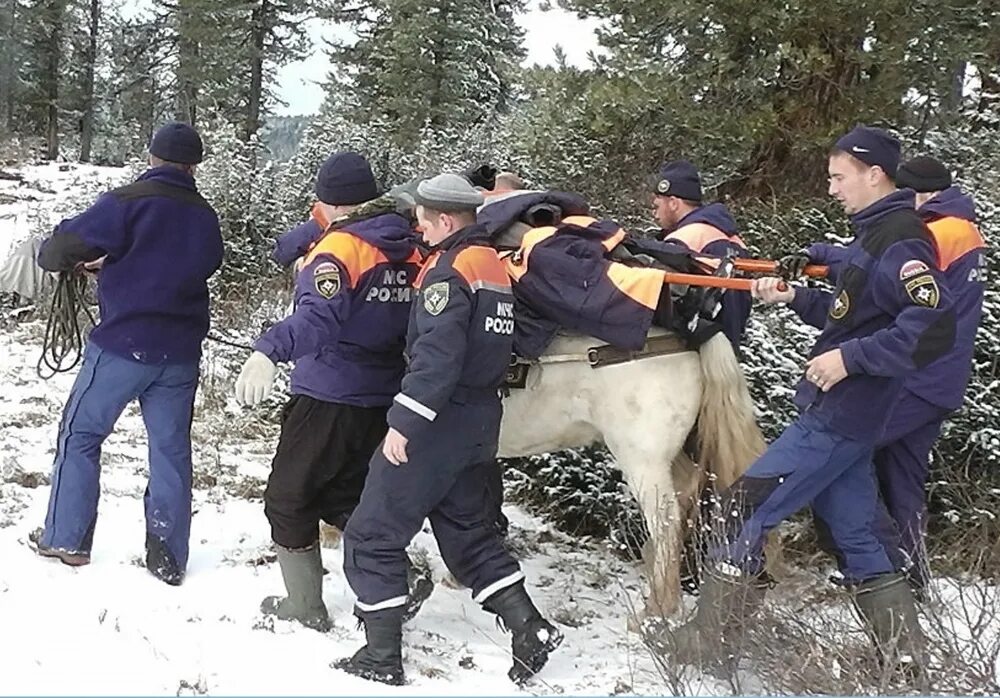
[
  {"x": 689, "y": 481},
  {"x": 650, "y": 477}
]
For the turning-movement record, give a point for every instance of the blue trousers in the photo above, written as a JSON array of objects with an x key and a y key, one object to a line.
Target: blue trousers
[
  {"x": 105, "y": 385},
  {"x": 446, "y": 481},
  {"x": 811, "y": 465},
  {"x": 902, "y": 459}
]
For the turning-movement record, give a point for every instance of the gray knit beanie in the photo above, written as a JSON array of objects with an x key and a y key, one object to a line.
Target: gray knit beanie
[{"x": 448, "y": 192}]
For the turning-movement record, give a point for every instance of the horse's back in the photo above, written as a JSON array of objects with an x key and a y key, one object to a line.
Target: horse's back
[{"x": 566, "y": 403}]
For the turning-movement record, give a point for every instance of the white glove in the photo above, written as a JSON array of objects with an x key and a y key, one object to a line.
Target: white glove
[{"x": 256, "y": 379}]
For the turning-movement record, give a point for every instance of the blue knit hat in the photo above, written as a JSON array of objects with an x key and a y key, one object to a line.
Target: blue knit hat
[
  {"x": 872, "y": 146},
  {"x": 345, "y": 178},
  {"x": 678, "y": 178},
  {"x": 177, "y": 142}
]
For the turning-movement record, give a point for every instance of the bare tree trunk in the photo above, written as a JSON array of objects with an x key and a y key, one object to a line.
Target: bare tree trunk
[
  {"x": 258, "y": 33},
  {"x": 8, "y": 70},
  {"x": 87, "y": 131},
  {"x": 187, "y": 66},
  {"x": 51, "y": 84}
]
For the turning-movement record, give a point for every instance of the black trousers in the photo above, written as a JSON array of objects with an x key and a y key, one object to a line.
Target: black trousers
[{"x": 319, "y": 467}]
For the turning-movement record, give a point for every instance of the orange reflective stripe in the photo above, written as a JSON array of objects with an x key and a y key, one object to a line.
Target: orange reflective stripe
[
  {"x": 428, "y": 265},
  {"x": 357, "y": 256},
  {"x": 614, "y": 240},
  {"x": 641, "y": 285},
  {"x": 517, "y": 263},
  {"x": 697, "y": 235},
  {"x": 582, "y": 221},
  {"x": 955, "y": 237},
  {"x": 481, "y": 268},
  {"x": 319, "y": 216}
]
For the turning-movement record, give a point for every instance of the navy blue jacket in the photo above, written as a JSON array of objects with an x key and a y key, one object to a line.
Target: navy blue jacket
[
  {"x": 461, "y": 332},
  {"x": 163, "y": 243},
  {"x": 352, "y": 300},
  {"x": 691, "y": 231},
  {"x": 890, "y": 315},
  {"x": 296, "y": 242},
  {"x": 960, "y": 248}
]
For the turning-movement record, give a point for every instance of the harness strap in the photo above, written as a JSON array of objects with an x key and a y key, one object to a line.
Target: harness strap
[{"x": 608, "y": 355}]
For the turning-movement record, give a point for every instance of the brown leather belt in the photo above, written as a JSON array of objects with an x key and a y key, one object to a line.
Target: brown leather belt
[{"x": 607, "y": 355}]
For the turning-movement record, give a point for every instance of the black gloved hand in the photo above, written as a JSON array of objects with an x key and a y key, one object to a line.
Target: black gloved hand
[
  {"x": 484, "y": 176},
  {"x": 791, "y": 266}
]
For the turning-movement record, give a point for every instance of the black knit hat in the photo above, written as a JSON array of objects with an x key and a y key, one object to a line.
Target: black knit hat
[
  {"x": 177, "y": 142},
  {"x": 345, "y": 179},
  {"x": 923, "y": 174}
]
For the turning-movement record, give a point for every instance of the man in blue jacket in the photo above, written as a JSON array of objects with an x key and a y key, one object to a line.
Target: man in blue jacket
[
  {"x": 346, "y": 337},
  {"x": 438, "y": 454},
  {"x": 704, "y": 229},
  {"x": 903, "y": 450},
  {"x": 889, "y": 316},
  {"x": 156, "y": 242}
]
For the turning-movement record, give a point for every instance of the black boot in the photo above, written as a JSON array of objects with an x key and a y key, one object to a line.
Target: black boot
[
  {"x": 381, "y": 659},
  {"x": 714, "y": 636},
  {"x": 889, "y": 612},
  {"x": 161, "y": 563},
  {"x": 533, "y": 637},
  {"x": 302, "y": 572}
]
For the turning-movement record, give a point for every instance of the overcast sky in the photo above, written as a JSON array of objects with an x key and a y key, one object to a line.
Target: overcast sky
[{"x": 299, "y": 81}]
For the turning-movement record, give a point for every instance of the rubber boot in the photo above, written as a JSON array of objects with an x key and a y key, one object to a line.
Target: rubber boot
[
  {"x": 532, "y": 637},
  {"x": 714, "y": 636},
  {"x": 381, "y": 659},
  {"x": 889, "y": 612},
  {"x": 161, "y": 563},
  {"x": 302, "y": 570}
]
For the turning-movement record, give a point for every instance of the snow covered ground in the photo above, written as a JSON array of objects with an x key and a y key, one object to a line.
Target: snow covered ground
[
  {"x": 46, "y": 193},
  {"x": 112, "y": 628}
]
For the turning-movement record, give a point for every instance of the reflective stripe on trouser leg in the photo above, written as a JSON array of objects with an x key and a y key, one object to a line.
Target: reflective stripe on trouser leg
[{"x": 105, "y": 385}]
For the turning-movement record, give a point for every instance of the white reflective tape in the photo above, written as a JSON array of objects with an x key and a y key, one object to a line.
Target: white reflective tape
[
  {"x": 414, "y": 406},
  {"x": 388, "y": 603},
  {"x": 490, "y": 286},
  {"x": 508, "y": 581}
]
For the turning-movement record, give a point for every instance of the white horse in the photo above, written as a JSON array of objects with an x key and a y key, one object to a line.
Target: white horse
[{"x": 643, "y": 410}]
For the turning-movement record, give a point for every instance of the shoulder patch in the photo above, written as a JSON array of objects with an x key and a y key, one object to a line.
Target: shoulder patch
[
  {"x": 841, "y": 305},
  {"x": 912, "y": 268},
  {"x": 436, "y": 297},
  {"x": 923, "y": 290},
  {"x": 326, "y": 279}
]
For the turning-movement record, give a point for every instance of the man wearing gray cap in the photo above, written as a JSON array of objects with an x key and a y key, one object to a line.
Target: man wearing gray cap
[{"x": 444, "y": 425}]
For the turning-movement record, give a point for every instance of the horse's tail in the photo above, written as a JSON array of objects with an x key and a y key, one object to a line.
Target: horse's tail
[{"x": 729, "y": 439}]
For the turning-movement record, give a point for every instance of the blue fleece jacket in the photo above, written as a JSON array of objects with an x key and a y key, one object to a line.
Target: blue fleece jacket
[{"x": 163, "y": 243}]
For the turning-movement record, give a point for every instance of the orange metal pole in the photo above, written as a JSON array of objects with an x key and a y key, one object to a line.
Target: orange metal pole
[
  {"x": 709, "y": 281},
  {"x": 767, "y": 266}
]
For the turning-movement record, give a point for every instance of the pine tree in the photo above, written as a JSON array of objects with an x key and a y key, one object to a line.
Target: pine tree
[
  {"x": 428, "y": 63},
  {"x": 225, "y": 52},
  {"x": 773, "y": 82},
  {"x": 42, "y": 34}
]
